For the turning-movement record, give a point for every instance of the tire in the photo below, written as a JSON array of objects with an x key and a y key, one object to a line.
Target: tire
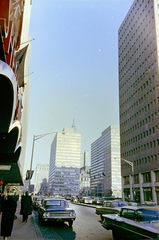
[
  {"x": 70, "y": 223},
  {"x": 101, "y": 217},
  {"x": 115, "y": 237}
]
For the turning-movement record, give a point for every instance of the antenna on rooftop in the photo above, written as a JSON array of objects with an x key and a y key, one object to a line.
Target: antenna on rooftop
[{"x": 73, "y": 126}]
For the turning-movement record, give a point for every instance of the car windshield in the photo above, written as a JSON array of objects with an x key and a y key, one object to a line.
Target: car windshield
[
  {"x": 119, "y": 204},
  {"x": 54, "y": 203},
  {"x": 148, "y": 215}
]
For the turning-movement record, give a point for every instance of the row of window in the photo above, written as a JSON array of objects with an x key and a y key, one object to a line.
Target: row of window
[
  {"x": 139, "y": 137},
  {"x": 143, "y": 161},
  {"x": 135, "y": 50},
  {"x": 134, "y": 16},
  {"x": 146, "y": 178}
]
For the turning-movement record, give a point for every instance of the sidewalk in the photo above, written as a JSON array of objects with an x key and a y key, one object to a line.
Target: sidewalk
[{"x": 25, "y": 230}]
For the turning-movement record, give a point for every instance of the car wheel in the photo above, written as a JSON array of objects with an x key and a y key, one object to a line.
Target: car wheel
[
  {"x": 115, "y": 237},
  {"x": 101, "y": 217},
  {"x": 70, "y": 223}
]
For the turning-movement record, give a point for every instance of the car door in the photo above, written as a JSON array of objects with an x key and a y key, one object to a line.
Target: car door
[{"x": 125, "y": 224}]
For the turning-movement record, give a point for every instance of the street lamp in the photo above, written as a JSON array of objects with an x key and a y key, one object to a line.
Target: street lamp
[
  {"x": 31, "y": 162},
  {"x": 132, "y": 166}
]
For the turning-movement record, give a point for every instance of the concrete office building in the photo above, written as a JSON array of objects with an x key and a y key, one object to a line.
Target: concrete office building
[
  {"x": 139, "y": 100},
  {"x": 41, "y": 172},
  {"x": 64, "y": 169},
  {"x": 105, "y": 164}
]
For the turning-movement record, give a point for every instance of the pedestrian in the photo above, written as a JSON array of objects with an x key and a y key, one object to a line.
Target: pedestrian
[
  {"x": 26, "y": 206},
  {"x": 1, "y": 198},
  {"x": 8, "y": 211}
]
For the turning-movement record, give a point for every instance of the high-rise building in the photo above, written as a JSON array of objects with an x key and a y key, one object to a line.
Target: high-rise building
[
  {"x": 105, "y": 164},
  {"x": 65, "y": 156},
  {"x": 41, "y": 173},
  {"x": 139, "y": 100}
]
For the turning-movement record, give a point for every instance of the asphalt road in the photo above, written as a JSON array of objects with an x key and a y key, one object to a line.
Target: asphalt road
[{"x": 86, "y": 227}]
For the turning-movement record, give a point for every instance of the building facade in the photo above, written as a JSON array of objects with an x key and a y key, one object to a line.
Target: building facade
[
  {"x": 139, "y": 100},
  {"x": 41, "y": 173},
  {"x": 64, "y": 169},
  {"x": 105, "y": 164},
  {"x": 84, "y": 175},
  {"x": 13, "y": 97}
]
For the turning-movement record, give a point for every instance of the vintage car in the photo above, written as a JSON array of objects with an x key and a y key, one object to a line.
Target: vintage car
[
  {"x": 133, "y": 222},
  {"x": 56, "y": 210},
  {"x": 149, "y": 203},
  {"x": 87, "y": 200},
  {"x": 36, "y": 202},
  {"x": 110, "y": 207},
  {"x": 98, "y": 200}
]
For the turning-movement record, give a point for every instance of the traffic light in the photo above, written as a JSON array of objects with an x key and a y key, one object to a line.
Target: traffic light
[{"x": 29, "y": 174}]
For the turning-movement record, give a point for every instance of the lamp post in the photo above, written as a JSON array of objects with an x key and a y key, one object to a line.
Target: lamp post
[
  {"x": 132, "y": 166},
  {"x": 35, "y": 137}
]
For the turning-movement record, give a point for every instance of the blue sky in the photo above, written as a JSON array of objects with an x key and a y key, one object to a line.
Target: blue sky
[{"x": 75, "y": 63}]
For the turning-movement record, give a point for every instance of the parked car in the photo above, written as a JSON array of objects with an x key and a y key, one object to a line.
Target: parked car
[
  {"x": 37, "y": 202},
  {"x": 149, "y": 203},
  {"x": 133, "y": 222},
  {"x": 87, "y": 200},
  {"x": 98, "y": 200},
  {"x": 110, "y": 207},
  {"x": 74, "y": 199},
  {"x": 54, "y": 209},
  {"x": 131, "y": 202}
]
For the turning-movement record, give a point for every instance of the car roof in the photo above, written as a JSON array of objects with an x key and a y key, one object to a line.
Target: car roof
[
  {"x": 114, "y": 201},
  {"x": 141, "y": 207},
  {"x": 50, "y": 199}
]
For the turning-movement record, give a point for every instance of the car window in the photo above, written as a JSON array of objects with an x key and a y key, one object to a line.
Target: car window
[
  {"x": 115, "y": 204},
  {"x": 108, "y": 204},
  {"x": 147, "y": 215},
  {"x": 128, "y": 213},
  {"x": 56, "y": 203},
  {"x": 121, "y": 204}
]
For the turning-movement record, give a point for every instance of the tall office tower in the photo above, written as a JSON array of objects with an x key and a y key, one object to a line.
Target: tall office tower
[
  {"x": 139, "y": 100},
  {"x": 105, "y": 164},
  {"x": 65, "y": 156},
  {"x": 41, "y": 172}
]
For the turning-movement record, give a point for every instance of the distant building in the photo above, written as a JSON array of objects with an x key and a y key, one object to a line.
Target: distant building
[
  {"x": 138, "y": 44},
  {"x": 84, "y": 175},
  {"x": 41, "y": 172},
  {"x": 64, "y": 169},
  {"x": 43, "y": 187},
  {"x": 105, "y": 164}
]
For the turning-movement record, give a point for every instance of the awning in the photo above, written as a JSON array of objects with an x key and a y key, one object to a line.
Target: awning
[{"x": 20, "y": 60}]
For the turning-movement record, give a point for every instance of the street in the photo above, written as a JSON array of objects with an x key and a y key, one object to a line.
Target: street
[{"x": 86, "y": 226}]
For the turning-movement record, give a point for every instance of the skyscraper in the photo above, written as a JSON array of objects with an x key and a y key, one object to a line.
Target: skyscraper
[
  {"x": 41, "y": 172},
  {"x": 139, "y": 100},
  {"x": 105, "y": 164},
  {"x": 65, "y": 156}
]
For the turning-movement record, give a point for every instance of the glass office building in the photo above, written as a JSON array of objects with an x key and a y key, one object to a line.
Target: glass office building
[
  {"x": 105, "y": 164},
  {"x": 65, "y": 157}
]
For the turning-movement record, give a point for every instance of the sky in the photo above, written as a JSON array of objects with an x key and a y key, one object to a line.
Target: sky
[{"x": 74, "y": 58}]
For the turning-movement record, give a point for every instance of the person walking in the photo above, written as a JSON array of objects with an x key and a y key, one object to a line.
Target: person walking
[
  {"x": 26, "y": 206},
  {"x": 8, "y": 209}
]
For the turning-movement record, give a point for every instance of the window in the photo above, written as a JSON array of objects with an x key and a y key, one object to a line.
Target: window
[
  {"x": 146, "y": 177},
  {"x": 128, "y": 213},
  {"x": 136, "y": 178}
]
